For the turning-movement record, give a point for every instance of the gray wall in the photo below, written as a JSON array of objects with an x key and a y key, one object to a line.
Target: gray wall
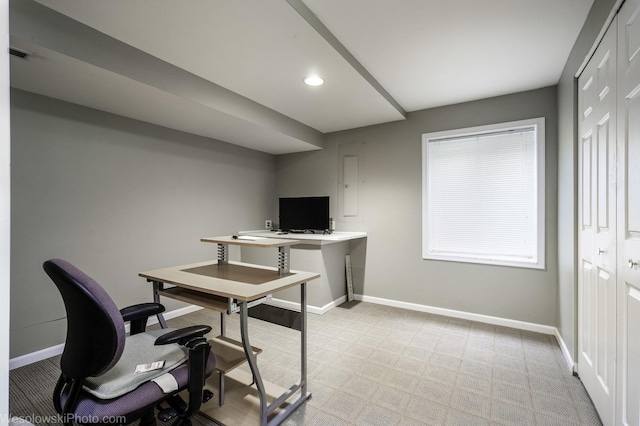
[
  {"x": 567, "y": 172},
  {"x": 392, "y": 217},
  {"x": 115, "y": 197}
]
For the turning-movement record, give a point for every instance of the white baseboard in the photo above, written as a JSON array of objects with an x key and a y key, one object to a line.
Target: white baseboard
[
  {"x": 173, "y": 314},
  {"x": 32, "y": 357},
  {"x": 52, "y": 351},
  {"x": 294, "y": 306},
  {"x": 520, "y": 325},
  {"x": 571, "y": 364}
]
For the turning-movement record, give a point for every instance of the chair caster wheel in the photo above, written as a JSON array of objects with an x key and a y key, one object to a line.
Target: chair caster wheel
[{"x": 166, "y": 414}]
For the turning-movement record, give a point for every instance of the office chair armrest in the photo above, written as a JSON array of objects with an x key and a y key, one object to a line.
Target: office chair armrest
[
  {"x": 142, "y": 310},
  {"x": 199, "y": 351},
  {"x": 183, "y": 335},
  {"x": 138, "y": 315}
]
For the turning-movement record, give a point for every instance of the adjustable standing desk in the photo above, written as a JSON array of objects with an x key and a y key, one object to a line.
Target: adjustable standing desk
[{"x": 228, "y": 287}]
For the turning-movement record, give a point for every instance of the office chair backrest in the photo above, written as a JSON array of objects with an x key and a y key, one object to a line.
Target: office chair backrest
[{"x": 95, "y": 329}]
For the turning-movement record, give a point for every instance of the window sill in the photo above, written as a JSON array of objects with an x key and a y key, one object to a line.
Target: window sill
[{"x": 486, "y": 261}]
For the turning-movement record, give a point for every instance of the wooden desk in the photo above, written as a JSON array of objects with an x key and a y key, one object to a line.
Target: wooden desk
[{"x": 227, "y": 287}]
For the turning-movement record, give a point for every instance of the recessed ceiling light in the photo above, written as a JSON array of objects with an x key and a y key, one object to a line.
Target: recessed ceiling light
[{"x": 314, "y": 80}]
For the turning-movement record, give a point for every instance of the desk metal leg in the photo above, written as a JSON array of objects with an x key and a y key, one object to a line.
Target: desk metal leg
[
  {"x": 251, "y": 359},
  {"x": 283, "y": 260},
  {"x": 301, "y": 386},
  {"x": 156, "y": 298},
  {"x": 220, "y": 388},
  {"x": 223, "y": 332},
  {"x": 303, "y": 339}
]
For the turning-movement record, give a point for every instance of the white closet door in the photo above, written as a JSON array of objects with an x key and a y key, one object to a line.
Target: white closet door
[
  {"x": 629, "y": 214},
  {"x": 597, "y": 233}
]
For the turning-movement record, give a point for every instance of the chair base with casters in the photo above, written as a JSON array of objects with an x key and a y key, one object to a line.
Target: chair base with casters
[{"x": 99, "y": 383}]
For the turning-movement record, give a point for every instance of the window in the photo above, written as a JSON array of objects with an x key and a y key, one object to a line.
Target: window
[{"x": 483, "y": 194}]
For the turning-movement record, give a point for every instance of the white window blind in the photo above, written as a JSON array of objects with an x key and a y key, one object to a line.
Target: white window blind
[{"x": 482, "y": 195}]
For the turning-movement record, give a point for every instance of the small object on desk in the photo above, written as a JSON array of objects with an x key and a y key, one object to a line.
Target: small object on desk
[{"x": 245, "y": 238}]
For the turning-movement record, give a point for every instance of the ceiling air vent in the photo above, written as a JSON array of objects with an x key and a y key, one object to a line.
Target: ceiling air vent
[{"x": 19, "y": 53}]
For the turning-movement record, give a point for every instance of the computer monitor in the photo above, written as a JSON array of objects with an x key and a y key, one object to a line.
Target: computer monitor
[{"x": 302, "y": 214}]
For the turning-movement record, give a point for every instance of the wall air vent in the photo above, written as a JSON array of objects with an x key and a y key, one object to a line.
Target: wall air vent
[{"x": 19, "y": 53}]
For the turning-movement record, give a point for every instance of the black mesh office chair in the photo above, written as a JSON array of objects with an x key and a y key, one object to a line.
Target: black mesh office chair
[{"x": 98, "y": 383}]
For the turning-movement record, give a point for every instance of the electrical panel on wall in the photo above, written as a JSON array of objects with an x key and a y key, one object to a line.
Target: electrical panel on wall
[
  {"x": 350, "y": 185},
  {"x": 351, "y": 179}
]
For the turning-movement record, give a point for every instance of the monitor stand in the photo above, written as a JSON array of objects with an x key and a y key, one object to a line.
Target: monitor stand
[{"x": 300, "y": 231}]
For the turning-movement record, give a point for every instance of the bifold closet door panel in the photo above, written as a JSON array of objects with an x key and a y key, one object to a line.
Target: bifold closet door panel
[
  {"x": 597, "y": 232},
  {"x": 628, "y": 235}
]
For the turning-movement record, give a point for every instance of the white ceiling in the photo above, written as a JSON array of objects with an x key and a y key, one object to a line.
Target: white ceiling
[{"x": 233, "y": 69}]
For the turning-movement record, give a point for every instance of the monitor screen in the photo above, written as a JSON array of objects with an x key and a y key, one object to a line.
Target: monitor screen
[{"x": 304, "y": 214}]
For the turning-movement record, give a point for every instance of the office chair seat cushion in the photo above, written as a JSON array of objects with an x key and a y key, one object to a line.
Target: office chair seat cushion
[
  {"x": 148, "y": 394},
  {"x": 122, "y": 378}
]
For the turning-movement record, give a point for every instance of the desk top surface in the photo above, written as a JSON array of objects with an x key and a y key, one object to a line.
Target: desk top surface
[
  {"x": 334, "y": 237},
  {"x": 241, "y": 281}
]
